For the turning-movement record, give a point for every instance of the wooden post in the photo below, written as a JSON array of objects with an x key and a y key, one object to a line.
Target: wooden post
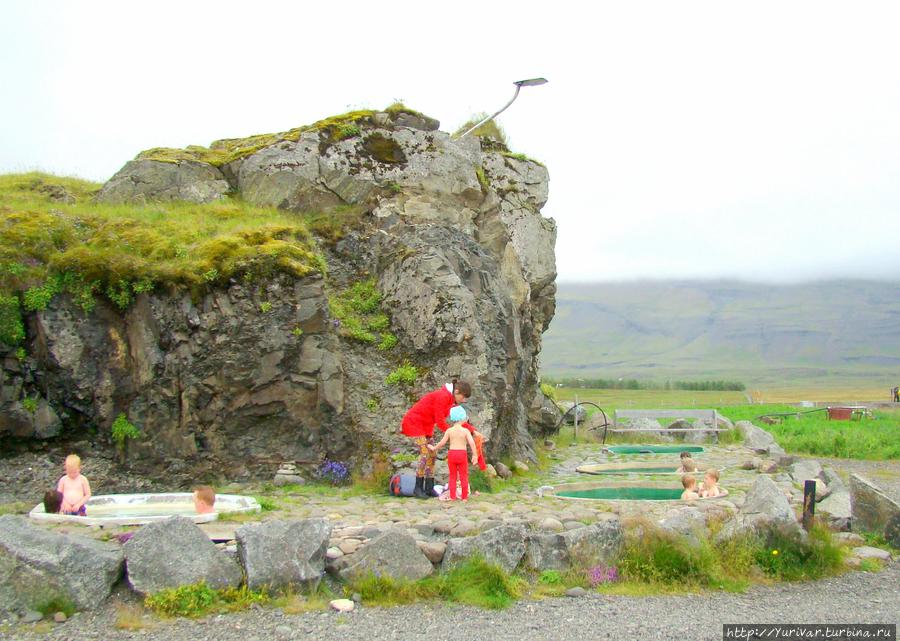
[
  {"x": 575, "y": 437},
  {"x": 809, "y": 503}
]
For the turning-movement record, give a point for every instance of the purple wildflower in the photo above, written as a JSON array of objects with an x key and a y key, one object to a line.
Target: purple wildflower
[{"x": 600, "y": 574}]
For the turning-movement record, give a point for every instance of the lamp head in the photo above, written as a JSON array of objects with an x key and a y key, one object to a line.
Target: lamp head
[{"x": 531, "y": 82}]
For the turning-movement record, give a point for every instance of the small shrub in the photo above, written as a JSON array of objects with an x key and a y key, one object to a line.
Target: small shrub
[
  {"x": 12, "y": 330},
  {"x": 265, "y": 307},
  {"x": 550, "y": 577},
  {"x": 210, "y": 275},
  {"x": 297, "y": 331},
  {"x": 21, "y": 354},
  {"x": 37, "y": 298},
  {"x": 30, "y": 404},
  {"x": 373, "y": 404},
  {"x": 549, "y": 391},
  {"x": 482, "y": 178},
  {"x": 199, "y": 599},
  {"x": 405, "y": 374},
  {"x": 388, "y": 341},
  {"x": 333, "y": 472},
  {"x": 404, "y": 459},
  {"x": 788, "y": 557},
  {"x": 122, "y": 430},
  {"x": 601, "y": 575},
  {"x": 266, "y": 504},
  {"x": 120, "y": 293},
  {"x": 346, "y": 130},
  {"x": 57, "y": 603},
  {"x": 479, "y": 481}
]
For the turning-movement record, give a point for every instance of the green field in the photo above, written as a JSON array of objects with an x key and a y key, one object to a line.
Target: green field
[{"x": 811, "y": 433}]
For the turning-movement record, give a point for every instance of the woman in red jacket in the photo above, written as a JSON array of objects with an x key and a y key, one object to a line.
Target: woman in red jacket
[{"x": 418, "y": 424}]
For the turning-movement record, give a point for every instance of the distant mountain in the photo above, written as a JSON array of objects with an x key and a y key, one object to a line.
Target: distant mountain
[{"x": 654, "y": 330}]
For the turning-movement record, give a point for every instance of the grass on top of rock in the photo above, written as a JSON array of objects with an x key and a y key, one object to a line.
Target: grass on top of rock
[
  {"x": 222, "y": 152},
  {"x": 89, "y": 249},
  {"x": 810, "y": 432}
]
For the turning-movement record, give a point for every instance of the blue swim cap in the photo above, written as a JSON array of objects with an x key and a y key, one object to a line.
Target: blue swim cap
[{"x": 457, "y": 413}]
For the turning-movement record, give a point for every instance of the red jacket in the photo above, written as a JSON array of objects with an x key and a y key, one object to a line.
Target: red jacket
[{"x": 430, "y": 410}]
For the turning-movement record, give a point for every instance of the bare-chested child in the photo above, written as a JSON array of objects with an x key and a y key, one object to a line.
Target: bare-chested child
[
  {"x": 710, "y": 486},
  {"x": 204, "y": 499},
  {"x": 457, "y": 461},
  {"x": 687, "y": 463},
  {"x": 74, "y": 487},
  {"x": 689, "y": 483}
]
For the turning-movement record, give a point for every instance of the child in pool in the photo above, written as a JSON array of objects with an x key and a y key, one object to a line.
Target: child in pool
[
  {"x": 74, "y": 487},
  {"x": 686, "y": 458},
  {"x": 689, "y": 483},
  {"x": 710, "y": 487},
  {"x": 457, "y": 461},
  {"x": 52, "y": 501},
  {"x": 204, "y": 499}
]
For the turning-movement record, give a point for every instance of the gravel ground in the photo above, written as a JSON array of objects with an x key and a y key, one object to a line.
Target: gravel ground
[{"x": 857, "y": 597}]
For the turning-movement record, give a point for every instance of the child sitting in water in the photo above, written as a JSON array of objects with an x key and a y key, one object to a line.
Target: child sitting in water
[
  {"x": 689, "y": 483},
  {"x": 204, "y": 499},
  {"x": 710, "y": 487},
  {"x": 457, "y": 461},
  {"x": 52, "y": 501},
  {"x": 74, "y": 487},
  {"x": 686, "y": 458}
]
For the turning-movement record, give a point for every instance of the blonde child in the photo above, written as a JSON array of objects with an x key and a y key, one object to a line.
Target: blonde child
[
  {"x": 204, "y": 499},
  {"x": 74, "y": 487},
  {"x": 459, "y": 437},
  {"x": 689, "y": 483},
  {"x": 710, "y": 487}
]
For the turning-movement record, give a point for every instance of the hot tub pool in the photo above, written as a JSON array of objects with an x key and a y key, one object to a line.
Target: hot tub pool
[
  {"x": 635, "y": 491},
  {"x": 138, "y": 509},
  {"x": 627, "y": 468},
  {"x": 653, "y": 449}
]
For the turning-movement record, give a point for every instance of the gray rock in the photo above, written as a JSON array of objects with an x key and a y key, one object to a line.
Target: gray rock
[
  {"x": 549, "y": 523},
  {"x": 892, "y": 531},
  {"x": 175, "y": 552},
  {"x": 849, "y": 538},
  {"x": 866, "y": 552},
  {"x": 588, "y": 545},
  {"x": 576, "y": 592},
  {"x": 765, "y": 507},
  {"x": 288, "y": 479},
  {"x": 571, "y": 414},
  {"x": 342, "y": 605},
  {"x": 283, "y": 553},
  {"x": 503, "y": 545},
  {"x": 871, "y": 507},
  {"x": 805, "y": 470},
  {"x": 142, "y": 181},
  {"x": 767, "y": 466},
  {"x": 31, "y": 616},
  {"x": 393, "y": 554},
  {"x": 433, "y": 550},
  {"x": 38, "y": 564},
  {"x": 759, "y": 440},
  {"x": 502, "y": 471},
  {"x": 688, "y": 521}
]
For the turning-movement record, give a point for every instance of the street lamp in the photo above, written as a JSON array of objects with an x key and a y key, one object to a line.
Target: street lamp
[{"x": 531, "y": 82}]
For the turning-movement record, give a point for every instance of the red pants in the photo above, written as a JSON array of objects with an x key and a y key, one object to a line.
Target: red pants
[{"x": 458, "y": 463}]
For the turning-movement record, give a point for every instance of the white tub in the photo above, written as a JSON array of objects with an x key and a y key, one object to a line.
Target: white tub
[{"x": 137, "y": 509}]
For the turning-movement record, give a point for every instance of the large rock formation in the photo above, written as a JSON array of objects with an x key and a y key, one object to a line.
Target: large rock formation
[{"x": 242, "y": 376}]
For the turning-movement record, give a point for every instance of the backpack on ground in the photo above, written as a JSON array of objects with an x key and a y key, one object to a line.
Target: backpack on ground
[{"x": 402, "y": 484}]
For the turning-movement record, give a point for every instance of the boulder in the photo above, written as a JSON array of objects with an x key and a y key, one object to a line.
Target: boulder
[
  {"x": 502, "y": 471},
  {"x": 871, "y": 508},
  {"x": 581, "y": 547},
  {"x": 687, "y": 521},
  {"x": 37, "y": 565},
  {"x": 393, "y": 554},
  {"x": 519, "y": 467},
  {"x": 433, "y": 550},
  {"x": 175, "y": 552},
  {"x": 767, "y": 466},
  {"x": 867, "y": 552},
  {"x": 503, "y": 546},
  {"x": 570, "y": 414},
  {"x": 892, "y": 531},
  {"x": 759, "y": 440},
  {"x": 804, "y": 470},
  {"x": 283, "y": 553},
  {"x": 765, "y": 507},
  {"x": 142, "y": 181}
]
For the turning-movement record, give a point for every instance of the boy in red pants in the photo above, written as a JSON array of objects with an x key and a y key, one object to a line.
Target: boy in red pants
[{"x": 457, "y": 461}]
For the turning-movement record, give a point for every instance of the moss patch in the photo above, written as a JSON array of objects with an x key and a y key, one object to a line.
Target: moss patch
[
  {"x": 91, "y": 249},
  {"x": 384, "y": 149}
]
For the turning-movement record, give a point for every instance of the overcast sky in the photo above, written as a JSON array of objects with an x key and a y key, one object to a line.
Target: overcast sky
[{"x": 684, "y": 139}]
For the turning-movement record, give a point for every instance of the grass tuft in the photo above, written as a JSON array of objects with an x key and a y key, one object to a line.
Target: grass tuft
[{"x": 199, "y": 599}]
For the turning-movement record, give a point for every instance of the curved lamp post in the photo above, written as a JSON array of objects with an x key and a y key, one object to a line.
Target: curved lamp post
[{"x": 531, "y": 82}]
